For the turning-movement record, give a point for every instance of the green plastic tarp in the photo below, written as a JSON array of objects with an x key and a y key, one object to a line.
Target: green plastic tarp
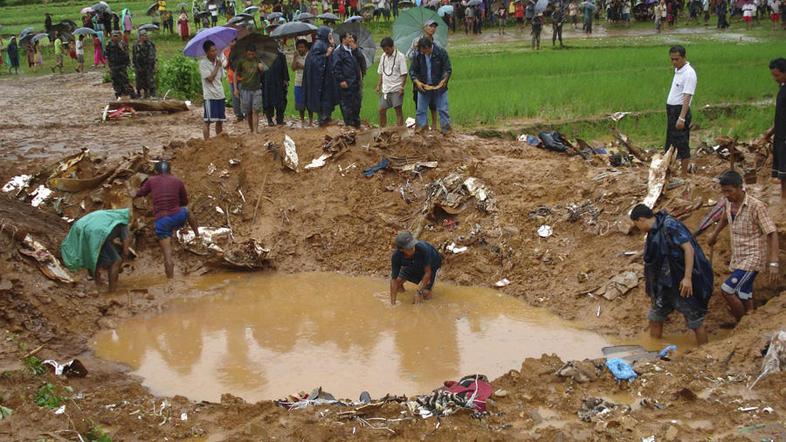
[{"x": 82, "y": 245}]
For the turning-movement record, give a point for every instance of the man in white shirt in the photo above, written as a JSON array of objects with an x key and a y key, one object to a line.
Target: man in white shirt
[
  {"x": 211, "y": 69},
  {"x": 392, "y": 72},
  {"x": 683, "y": 87},
  {"x": 213, "y": 8}
]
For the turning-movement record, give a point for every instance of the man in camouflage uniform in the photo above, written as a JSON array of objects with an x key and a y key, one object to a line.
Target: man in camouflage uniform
[
  {"x": 117, "y": 56},
  {"x": 145, "y": 65}
]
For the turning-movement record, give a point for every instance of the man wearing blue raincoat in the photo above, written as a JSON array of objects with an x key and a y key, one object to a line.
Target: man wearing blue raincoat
[
  {"x": 678, "y": 276},
  {"x": 319, "y": 86}
]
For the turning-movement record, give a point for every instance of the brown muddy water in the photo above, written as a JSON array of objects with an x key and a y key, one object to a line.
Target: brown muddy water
[{"x": 263, "y": 336}]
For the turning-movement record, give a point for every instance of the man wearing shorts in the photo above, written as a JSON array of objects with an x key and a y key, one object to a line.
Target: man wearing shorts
[
  {"x": 211, "y": 69},
  {"x": 752, "y": 233},
  {"x": 169, "y": 209},
  {"x": 90, "y": 244},
  {"x": 414, "y": 261},
  {"x": 392, "y": 72},
  {"x": 248, "y": 82},
  {"x": 678, "y": 120},
  {"x": 678, "y": 276}
]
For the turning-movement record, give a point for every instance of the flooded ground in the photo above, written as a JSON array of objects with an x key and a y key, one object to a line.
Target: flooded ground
[{"x": 266, "y": 336}]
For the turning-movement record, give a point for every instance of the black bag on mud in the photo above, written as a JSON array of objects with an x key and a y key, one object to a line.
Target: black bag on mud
[{"x": 553, "y": 141}]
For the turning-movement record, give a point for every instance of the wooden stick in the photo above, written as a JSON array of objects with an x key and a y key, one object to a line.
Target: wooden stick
[
  {"x": 34, "y": 351},
  {"x": 259, "y": 198}
]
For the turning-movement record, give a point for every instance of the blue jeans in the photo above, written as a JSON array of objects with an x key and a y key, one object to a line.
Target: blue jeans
[
  {"x": 440, "y": 100},
  {"x": 235, "y": 101}
]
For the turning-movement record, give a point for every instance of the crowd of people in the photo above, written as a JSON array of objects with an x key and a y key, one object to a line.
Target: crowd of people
[{"x": 328, "y": 74}]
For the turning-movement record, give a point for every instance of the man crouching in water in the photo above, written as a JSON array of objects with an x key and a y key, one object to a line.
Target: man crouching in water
[
  {"x": 169, "y": 210},
  {"x": 414, "y": 261}
]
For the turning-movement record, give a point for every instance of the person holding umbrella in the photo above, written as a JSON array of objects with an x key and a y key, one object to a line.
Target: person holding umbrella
[
  {"x": 117, "y": 55},
  {"x": 211, "y": 70},
  {"x": 318, "y": 83},
  {"x": 430, "y": 73},
  {"x": 144, "y": 57}
]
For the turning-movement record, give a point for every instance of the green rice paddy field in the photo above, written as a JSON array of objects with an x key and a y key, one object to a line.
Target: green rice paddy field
[{"x": 504, "y": 84}]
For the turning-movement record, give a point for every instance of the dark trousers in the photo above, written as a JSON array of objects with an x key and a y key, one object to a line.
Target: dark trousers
[
  {"x": 145, "y": 81},
  {"x": 349, "y": 100},
  {"x": 278, "y": 110},
  {"x": 120, "y": 82},
  {"x": 556, "y": 33}
]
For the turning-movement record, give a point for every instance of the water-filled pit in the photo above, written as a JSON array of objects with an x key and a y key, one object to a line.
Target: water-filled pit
[{"x": 263, "y": 336}]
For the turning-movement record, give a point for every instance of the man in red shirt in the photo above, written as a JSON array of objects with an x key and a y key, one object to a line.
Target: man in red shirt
[{"x": 169, "y": 209}]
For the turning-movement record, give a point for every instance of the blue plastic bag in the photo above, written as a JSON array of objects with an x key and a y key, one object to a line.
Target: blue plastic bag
[{"x": 621, "y": 370}]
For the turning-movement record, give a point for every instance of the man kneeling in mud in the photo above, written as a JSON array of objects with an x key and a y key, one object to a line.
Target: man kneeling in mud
[
  {"x": 414, "y": 261},
  {"x": 678, "y": 276}
]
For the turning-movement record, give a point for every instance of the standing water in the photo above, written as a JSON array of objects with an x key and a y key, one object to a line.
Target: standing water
[{"x": 264, "y": 336}]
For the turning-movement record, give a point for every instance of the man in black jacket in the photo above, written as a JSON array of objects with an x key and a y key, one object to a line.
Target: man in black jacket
[
  {"x": 348, "y": 76},
  {"x": 430, "y": 73}
]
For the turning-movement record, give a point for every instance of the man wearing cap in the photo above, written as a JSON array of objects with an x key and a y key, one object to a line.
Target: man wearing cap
[
  {"x": 145, "y": 65},
  {"x": 117, "y": 56},
  {"x": 169, "y": 209},
  {"x": 414, "y": 261}
]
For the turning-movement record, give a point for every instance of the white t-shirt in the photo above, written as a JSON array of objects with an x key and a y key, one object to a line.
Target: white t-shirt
[
  {"x": 213, "y": 9},
  {"x": 80, "y": 47},
  {"x": 748, "y": 10},
  {"x": 392, "y": 68},
  {"x": 212, "y": 90},
  {"x": 684, "y": 82}
]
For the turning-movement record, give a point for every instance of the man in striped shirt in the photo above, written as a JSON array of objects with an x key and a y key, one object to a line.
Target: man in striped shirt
[{"x": 752, "y": 233}]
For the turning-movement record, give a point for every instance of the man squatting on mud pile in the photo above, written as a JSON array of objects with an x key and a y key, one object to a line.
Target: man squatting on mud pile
[{"x": 678, "y": 276}]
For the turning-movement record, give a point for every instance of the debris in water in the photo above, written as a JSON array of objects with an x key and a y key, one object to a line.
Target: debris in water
[
  {"x": 545, "y": 231},
  {"x": 60, "y": 410},
  {"x": 71, "y": 369}
]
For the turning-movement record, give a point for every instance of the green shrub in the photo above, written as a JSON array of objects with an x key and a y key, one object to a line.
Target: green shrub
[
  {"x": 180, "y": 76},
  {"x": 48, "y": 397}
]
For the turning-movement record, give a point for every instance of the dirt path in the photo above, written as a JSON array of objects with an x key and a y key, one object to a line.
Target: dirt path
[{"x": 307, "y": 219}]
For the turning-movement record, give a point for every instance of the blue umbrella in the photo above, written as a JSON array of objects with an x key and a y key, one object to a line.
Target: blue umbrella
[
  {"x": 87, "y": 31},
  {"x": 219, "y": 35},
  {"x": 445, "y": 10}
]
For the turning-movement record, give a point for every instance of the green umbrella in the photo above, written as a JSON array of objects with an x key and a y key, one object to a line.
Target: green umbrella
[{"x": 409, "y": 26}]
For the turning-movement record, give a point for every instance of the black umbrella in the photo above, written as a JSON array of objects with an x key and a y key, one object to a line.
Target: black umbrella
[
  {"x": 274, "y": 16},
  {"x": 328, "y": 16},
  {"x": 202, "y": 14},
  {"x": 40, "y": 36},
  {"x": 100, "y": 7},
  {"x": 23, "y": 40},
  {"x": 354, "y": 19},
  {"x": 148, "y": 27},
  {"x": 363, "y": 38},
  {"x": 305, "y": 16},
  {"x": 152, "y": 9},
  {"x": 266, "y": 48},
  {"x": 241, "y": 20},
  {"x": 293, "y": 29},
  {"x": 26, "y": 31}
]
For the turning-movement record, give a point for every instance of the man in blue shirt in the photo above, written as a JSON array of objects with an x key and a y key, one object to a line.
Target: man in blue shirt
[
  {"x": 678, "y": 276},
  {"x": 414, "y": 261}
]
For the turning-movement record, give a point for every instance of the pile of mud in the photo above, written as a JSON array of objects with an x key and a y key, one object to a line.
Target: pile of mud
[{"x": 547, "y": 228}]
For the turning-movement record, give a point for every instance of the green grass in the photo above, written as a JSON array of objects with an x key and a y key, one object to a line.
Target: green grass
[{"x": 501, "y": 84}]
